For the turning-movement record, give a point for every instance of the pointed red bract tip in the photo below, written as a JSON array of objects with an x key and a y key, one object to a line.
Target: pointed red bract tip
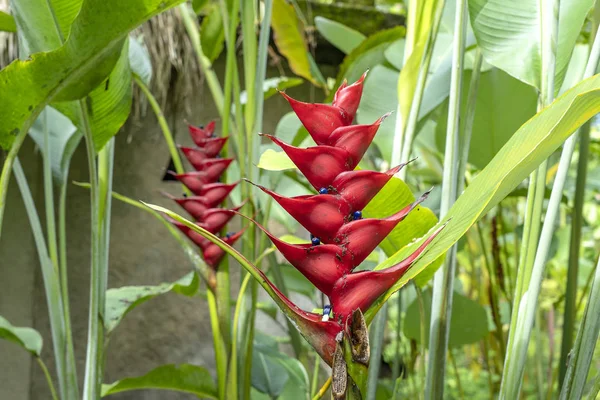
[
  {"x": 194, "y": 155},
  {"x": 320, "y": 164},
  {"x": 322, "y": 265},
  {"x": 212, "y": 146},
  {"x": 322, "y": 214},
  {"x": 213, "y": 254},
  {"x": 348, "y": 97},
  {"x": 215, "y": 219},
  {"x": 213, "y": 166},
  {"x": 355, "y": 139},
  {"x": 318, "y": 119},
  {"x": 359, "y": 290},
  {"x": 358, "y": 187}
]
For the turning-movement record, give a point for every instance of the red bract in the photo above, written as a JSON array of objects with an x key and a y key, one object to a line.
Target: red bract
[
  {"x": 208, "y": 194},
  {"x": 340, "y": 238}
]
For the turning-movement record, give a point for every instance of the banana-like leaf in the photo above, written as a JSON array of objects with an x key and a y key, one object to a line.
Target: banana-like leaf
[
  {"x": 180, "y": 378},
  {"x": 212, "y": 34},
  {"x": 120, "y": 301},
  {"x": 508, "y": 32},
  {"x": 71, "y": 71},
  {"x": 534, "y": 142},
  {"x": 28, "y": 338}
]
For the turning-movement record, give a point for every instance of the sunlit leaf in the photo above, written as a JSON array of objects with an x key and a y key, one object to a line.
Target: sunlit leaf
[
  {"x": 526, "y": 149},
  {"x": 275, "y": 161},
  {"x": 73, "y": 70}
]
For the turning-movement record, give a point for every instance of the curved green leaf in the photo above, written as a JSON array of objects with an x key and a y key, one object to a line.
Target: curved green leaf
[
  {"x": 508, "y": 32},
  {"x": 272, "y": 85},
  {"x": 527, "y": 148},
  {"x": 120, "y": 301},
  {"x": 341, "y": 36},
  {"x": 272, "y": 160},
  {"x": 181, "y": 378},
  {"x": 28, "y": 338},
  {"x": 74, "y": 69},
  {"x": 7, "y": 22}
]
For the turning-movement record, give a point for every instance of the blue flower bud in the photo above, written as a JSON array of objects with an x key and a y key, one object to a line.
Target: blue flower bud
[
  {"x": 315, "y": 241},
  {"x": 357, "y": 215},
  {"x": 323, "y": 191}
]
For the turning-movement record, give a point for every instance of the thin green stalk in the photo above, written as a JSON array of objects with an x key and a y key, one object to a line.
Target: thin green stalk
[
  {"x": 249, "y": 47},
  {"x": 49, "y": 198},
  {"x": 397, "y": 358},
  {"x": 443, "y": 283},
  {"x": 405, "y": 132},
  {"x": 193, "y": 31},
  {"x": 323, "y": 390},
  {"x": 64, "y": 286},
  {"x": 315, "y": 377},
  {"x": 524, "y": 308},
  {"x": 48, "y": 378},
  {"x": 469, "y": 120},
  {"x": 570, "y": 311},
  {"x": 95, "y": 341},
  {"x": 461, "y": 392},
  {"x": 420, "y": 380},
  {"x": 376, "y": 343},
  {"x": 221, "y": 353},
  {"x": 232, "y": 385},
  {"x": 261, "y": 67},
  {"x": 49, "y": 277},
  {"x": 583, "y": 350},
  {"x": 164, "y": 125}
]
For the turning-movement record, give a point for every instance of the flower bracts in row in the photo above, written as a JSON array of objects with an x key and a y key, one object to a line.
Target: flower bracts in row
[
  {"x": 340, "y": 237},
  {"x": 208, "y": 192}
]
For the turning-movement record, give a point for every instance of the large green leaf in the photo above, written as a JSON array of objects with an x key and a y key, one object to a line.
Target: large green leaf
[
  {"x": 28, "y": 338},
  {"x": 469, "y": 323},
  {"x": 508, "y": 32},
  {"x": 503, "y": 105},
  {"x": 120, "y": 301},
  {"x": 272, "y": 160},
  {"x": 528, "y": 147},
  {"x": 64, "y": 138},
  {"x": 74, "y": 69},
  {"x": 181, "y": 378},
  {"x": 288, "y": 34},
  {"x": 341, "y": 36},
  {"x": 7, "y": 22}
]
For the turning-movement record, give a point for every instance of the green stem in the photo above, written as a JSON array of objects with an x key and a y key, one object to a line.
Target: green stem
[
  {"x": 64, "y": 286},
  {"x": 48, "y": 378},
  {"x": 49, "y": 198},
  {"x": 249, "y": 47},
  {"x": 397, "y": 358},
  {"x": 50, "y": 279},
  {"x": 405, "y": 132},
  {"x": 323, "y": 390},
  {"x": 232, "y": 386},
  {"x": 376, "y": 343},
  {"x": 443, "y": 284},
  {"x": 95, "y": 341},
  {"x": 570, "y": 312},
  {"x": 315, "y": 377},
  {"x": 164, "y": 126},
  {"x": 219, "y": 345},
  {"x": 193, "y": 31}
]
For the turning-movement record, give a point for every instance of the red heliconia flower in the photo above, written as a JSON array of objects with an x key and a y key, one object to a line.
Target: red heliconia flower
[
  {"x": 208, "y": 193},
  {"x": 199, "y": 133},
  {"x": 340, "y": 237}
]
